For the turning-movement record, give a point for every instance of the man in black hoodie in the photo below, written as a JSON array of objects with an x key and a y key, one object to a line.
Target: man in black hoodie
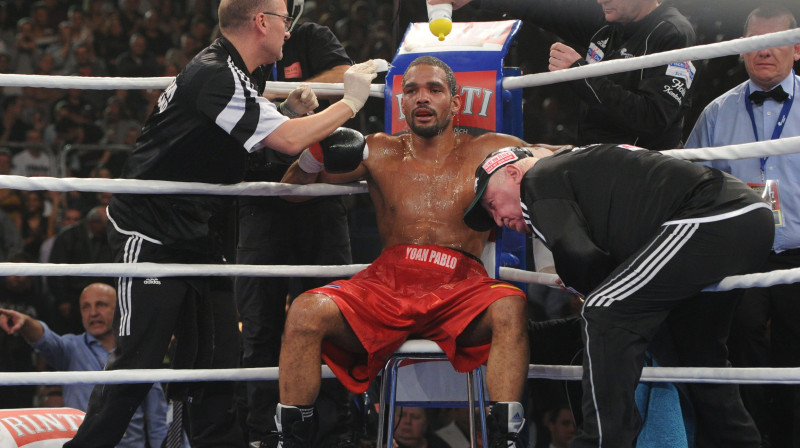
[{"x": 641, "y": 107}]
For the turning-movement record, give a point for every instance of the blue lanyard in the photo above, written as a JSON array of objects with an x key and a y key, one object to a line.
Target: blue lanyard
[{"x": 776, "y": 133}]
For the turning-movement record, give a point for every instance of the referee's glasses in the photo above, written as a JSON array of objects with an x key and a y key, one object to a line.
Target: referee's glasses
[{"x": 287, "y": 20}]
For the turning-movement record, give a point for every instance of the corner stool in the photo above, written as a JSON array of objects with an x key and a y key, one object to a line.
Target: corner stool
[{"x": 425, "y": 350}]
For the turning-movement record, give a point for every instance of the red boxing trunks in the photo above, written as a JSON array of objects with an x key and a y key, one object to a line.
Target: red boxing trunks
[{"x": 429, "y": 292}]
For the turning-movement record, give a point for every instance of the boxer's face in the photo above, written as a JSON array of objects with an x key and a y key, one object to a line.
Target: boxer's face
[
  {"x": 427, "y": 104},
  {"x": 770, "y": 66},
  {"x": 502, "y": 201}
]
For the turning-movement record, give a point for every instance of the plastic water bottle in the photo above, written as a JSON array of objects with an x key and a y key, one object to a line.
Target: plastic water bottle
[{"x": 440, "y": 19}]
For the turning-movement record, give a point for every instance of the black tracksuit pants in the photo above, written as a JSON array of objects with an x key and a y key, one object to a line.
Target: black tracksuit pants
[
  {"x": 662, "y": 283},
  {"x": 200, "y": 312}
]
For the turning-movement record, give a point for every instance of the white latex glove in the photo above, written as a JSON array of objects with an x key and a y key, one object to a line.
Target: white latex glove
[
  {"x": 301, "y": 101},
  {"x": 357, "y": 79}
]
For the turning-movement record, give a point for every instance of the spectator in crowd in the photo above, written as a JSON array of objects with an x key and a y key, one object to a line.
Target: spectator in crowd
[
  {"x": 62, "y": 49},
  {"x": 130, "y": 16},
  {"x": 85, "y": 242},
  {"x": 34, "y": 159},
  {"x": 70, "y": 216},
  {"x": 138, "y": 61},
  {"x": 89, "y": 351},
  {"x": 456, "y": 432},
  {"x": 158, "y": 42},
  {"x": 21, "y": 294},
  {"x": 643, "y": 107},
  {"x": 85, "y": 63},
  {"x": 180, "y": 56},
  {"x": 765, "y": 331},
  {"x": 111, "y": 40},
  {"x": 12, "y": 126},
  {"x": 10, "y": 237},
  {"x": 49, "y": 396},
  {"x": 10, "y": 199},
  {"x": 561, "y": 426},
  {"x": 81, "y": 31},
  {"x": 43, "y": 31},
  {"x": 35, "y": 223},
  {"x": 201, "y": 27},
  {"x": 25, "y": 50},
  {"x": 414, "y": 429}
]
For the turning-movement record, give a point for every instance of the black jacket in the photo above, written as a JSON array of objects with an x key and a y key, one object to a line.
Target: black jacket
[
  {"x": 596, "y": 206},
  {"x": 642, "y": 107}
]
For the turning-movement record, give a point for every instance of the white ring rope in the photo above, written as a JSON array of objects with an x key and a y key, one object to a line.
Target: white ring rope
[
  {"x": 718, "y": 49},
  {"x": 177, "y": 270},
  {"x": 715, "y": 375},
  {"x": 168, "y": 187},
  {"x": 760, "y": 280},
  {"x": 659, "y": 374},
  {"x": 778, "y": 147},
  {"x": 727, "y": 48},
  {"x": 781, "y": 146}
]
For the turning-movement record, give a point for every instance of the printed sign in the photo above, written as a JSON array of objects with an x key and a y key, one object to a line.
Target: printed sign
[{"x": 38, "y": 428}]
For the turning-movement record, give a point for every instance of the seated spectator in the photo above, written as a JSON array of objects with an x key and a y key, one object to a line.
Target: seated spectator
[
  {"x": 561, "y": 426},
  {"x": 90, "y": 351},
  {"x": 85, "y": 242},
  {"x": 181, "y": 56},
  {"x": 413, "y": 429},
  {"x": 138, "y": 61},
  {"x": 43, "y": 31},
  {"x": 18, "y": 293},
  {"x": 49, "y": 396},
  {"x": 10, "y": 237},
  {"x": 69, "y": 217},
  {"x": 82, "y": 33},
  {"x": 84, "y": 63},
  {"x": 33, "y": 160},
  {"x": 456, "y": 434},
  {"x": 35, "y": 223},
  {"x": 12, "y": 126},
  {"x": 25, "y": 50},
  {"x": 111, "y": 40},
  {"x": 10, "y": 200},
  {"x": 158, "y": 42},
  {"x": 61, "y": 49}
]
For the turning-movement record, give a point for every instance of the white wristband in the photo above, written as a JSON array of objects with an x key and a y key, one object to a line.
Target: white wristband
[{"x": 308, "y": 163}]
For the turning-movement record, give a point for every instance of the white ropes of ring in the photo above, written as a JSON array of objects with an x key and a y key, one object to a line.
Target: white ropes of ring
[
  {"x": 138, "y": 186},
  {"x": 669, "y": 374},
  {"x": 716, "y": 375},
  {"x": 718, "y": 49},
  {"x": 727, "y": 48}
]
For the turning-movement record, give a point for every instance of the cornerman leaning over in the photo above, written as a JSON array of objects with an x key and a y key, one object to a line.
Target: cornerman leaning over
[
  {"x": 640, "y": 234},
  {"x": 204, "y": 124}
]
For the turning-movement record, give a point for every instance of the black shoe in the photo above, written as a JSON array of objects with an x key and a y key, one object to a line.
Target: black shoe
[
  {"x": 296, "y": 427},
  {"x": 504, "y": 424}
]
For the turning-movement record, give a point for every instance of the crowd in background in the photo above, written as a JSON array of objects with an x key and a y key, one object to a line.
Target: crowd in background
[{"x": 146, "y": 38}]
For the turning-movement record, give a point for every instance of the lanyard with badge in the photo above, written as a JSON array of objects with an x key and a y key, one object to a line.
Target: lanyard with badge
[{"x": 769, "y": 188}]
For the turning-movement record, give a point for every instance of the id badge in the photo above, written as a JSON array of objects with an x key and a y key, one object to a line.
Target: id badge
[{"x": 769, "y": 193}]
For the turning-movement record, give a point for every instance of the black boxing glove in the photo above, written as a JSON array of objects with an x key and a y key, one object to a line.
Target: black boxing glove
[{"x": 340, "y": 152}]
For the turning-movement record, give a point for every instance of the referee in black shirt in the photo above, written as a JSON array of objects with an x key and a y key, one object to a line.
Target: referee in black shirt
[{"x": 201, "y": 130}]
